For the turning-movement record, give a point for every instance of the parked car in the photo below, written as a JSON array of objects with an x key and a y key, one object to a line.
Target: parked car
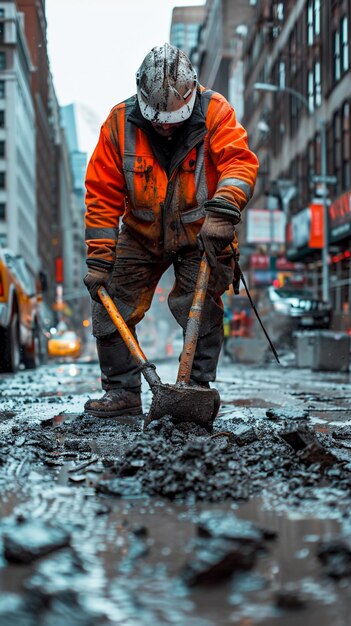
[
  {"x": 21, "y": 335},
  {"x": 287, "y": 309},
  {"x": 300, "y": 305},
  {"x": 65, "y": 344}
]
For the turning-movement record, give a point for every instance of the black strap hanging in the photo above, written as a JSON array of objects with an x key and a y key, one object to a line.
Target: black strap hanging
[{"x": 238, "y": 275}]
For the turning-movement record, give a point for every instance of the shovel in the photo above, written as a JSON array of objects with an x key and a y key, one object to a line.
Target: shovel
[{"x": 182, "y": 401}]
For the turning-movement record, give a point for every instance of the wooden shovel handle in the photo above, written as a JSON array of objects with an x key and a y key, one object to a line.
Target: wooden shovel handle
[
  {"x": 122, "y": 328},
  {"x": 194, "y": 321}
]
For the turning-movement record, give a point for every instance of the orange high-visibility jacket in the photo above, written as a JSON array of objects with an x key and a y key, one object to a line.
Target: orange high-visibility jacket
[{"x": 165, "y": 213}]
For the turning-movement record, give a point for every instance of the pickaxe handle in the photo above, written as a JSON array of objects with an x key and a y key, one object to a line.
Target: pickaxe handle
[
  {"x": 193, "y": 323},
  {"x": 148, "y": 369}
]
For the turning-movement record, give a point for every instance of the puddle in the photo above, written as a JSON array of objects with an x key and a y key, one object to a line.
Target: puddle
[
  {"x": 143, "y": 546},
  {"x": 257, "y": 403},
  {"x": 127, "y": 555}
]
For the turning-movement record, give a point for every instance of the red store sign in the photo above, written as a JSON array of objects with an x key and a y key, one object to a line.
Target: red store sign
[
  {"x": 340, "y": 217},
  {"x": 262, "y": 262}
]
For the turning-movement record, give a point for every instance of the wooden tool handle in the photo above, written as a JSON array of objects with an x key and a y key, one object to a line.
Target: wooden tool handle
[
  {"x": 147, "y": 368},
  {"x": 193, "y": 324},
  {"x": 122, "y": 327}
]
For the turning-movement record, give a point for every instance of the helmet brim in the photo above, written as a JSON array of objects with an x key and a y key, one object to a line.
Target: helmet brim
[{"x": 167, "y": 117}]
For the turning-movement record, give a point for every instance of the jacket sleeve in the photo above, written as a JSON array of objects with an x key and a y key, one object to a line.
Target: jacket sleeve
[
  {"x": 105, "y": 193},
  {"x": 236, "y": 164}
]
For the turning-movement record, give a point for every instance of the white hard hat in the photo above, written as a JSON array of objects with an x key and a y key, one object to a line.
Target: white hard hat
[{"x": 166, "y": 85}]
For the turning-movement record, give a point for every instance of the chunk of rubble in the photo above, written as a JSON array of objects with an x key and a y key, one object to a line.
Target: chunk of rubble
[
  {"x": 316, "y": 453},
  {"x": 225, "y": 545},
  {"x": 122, "y": 487},
  {"x": 31, "y": 539},
  {"x": 298, "y": 438},
  {"x": 214, "y": 560},
  {"x": 228, "y": 526},
  {"x": 293, "y": 413},
  {"x": 287, "y": 598},
  {"x": 243, "y": 435},
  {"x": 335, "y": 554},
  {"x": 13, "y": 611},
  {"x": 343, "y": 432}
]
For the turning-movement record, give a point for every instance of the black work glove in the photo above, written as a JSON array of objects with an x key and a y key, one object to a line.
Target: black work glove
[
  {"x": 218, "y": 229},
  {"x": 216, "y": 233},
  {"x": 95, "y": 278}
]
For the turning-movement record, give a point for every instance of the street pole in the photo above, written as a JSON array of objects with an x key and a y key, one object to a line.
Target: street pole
[
  {"x": 323, "y": 178},
  {"x": 325, "y": 249}
]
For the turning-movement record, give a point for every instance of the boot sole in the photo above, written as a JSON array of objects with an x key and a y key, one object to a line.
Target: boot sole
[{"x": 135, "y": 411}]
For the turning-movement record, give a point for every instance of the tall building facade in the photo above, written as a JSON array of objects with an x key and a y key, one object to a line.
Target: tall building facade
[
  {"x": 218, "y": 52},
  {"x": 302, "y": 48},
  {"x": 18, "y": 207},
  {"x": 48, "y": 216},
  {"x": 74, "y": 247},
  {"x": 78, "y": 165},
  {"x": 185, "y": 26}
]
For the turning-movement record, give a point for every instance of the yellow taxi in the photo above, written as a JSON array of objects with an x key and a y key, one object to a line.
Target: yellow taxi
[
  {"x": 65, "y": 343},
  {"x": 21, "y": 333}
]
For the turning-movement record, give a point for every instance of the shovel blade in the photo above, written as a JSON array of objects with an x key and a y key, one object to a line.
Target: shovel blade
[{"x": 184, "y": 403}]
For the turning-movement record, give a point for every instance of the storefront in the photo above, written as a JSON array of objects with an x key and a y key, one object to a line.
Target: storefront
[
  {"x": 266, "y": 270},
  {"x": 304, "y": 242},
  {"x": 340, "y": 264}
]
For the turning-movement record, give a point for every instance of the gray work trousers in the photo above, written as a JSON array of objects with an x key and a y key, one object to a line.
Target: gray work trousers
[{"x": 134, "y": 279}]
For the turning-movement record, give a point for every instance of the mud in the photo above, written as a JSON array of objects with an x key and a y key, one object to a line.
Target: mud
[{"x": 105, "y": 523}]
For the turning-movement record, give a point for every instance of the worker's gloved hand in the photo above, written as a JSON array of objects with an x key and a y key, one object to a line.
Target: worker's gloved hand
[
  {"x": 216, "y": 233},
  {"x": 95, "y": 278}
]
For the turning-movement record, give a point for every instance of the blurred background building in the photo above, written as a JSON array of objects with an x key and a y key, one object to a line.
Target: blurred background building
[
  {"x": 18, "y": 205},
  {"x": 285, "y": 67},
  {"x": 42, "y": 166}
]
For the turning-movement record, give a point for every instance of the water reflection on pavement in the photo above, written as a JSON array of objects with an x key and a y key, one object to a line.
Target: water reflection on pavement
[{"x": 130, "y": 557}]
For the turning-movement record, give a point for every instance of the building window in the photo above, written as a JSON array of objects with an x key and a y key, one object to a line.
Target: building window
[
  {"x": 2, "y": 148},
  {"x": 2, "y": 180},
  {"x": 317, "y": 17},
  {"x": 336, "y": 56},
  {"x": 344, "y": 44},
  {"x": 345, "y": 147},
  {"x": 2, "y": 89},
  {"x": 2, "y": 118},
  {"x": 2, "y": 211},
  {"x": 313, "y": 21},
  {"x": 336, "y": 150},
  {"x": 281, "y": 74},
  {"x": 2, "y": 60},
  {"x": 310, "y": 90},
  {"x": 317, "y": 84},
  {"x": 310, "y": 163},
  {"x": 310, "y": 23},
  {"x": 340, "y": 43}
]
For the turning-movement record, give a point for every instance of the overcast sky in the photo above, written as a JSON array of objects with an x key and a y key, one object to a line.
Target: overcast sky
[{"x": 96, "y": 46}]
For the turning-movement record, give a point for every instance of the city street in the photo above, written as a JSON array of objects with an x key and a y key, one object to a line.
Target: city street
[{"x": 102, "y": 523}]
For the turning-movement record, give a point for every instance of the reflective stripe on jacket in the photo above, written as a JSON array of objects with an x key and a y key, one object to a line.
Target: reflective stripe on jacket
[{"x": 124, "y": 178}]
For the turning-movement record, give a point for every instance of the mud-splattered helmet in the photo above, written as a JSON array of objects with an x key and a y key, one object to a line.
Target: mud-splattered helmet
[{"x": 166, "y": 85}]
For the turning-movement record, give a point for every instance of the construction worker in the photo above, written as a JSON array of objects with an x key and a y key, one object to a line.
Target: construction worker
[{"x": 168, "y": 180}]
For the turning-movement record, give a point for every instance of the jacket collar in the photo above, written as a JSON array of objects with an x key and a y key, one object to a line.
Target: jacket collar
[{"x": 190, "y": 134}]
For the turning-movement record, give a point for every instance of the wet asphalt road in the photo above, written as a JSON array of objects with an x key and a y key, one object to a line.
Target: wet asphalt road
[{"x": 104, "y": 524}]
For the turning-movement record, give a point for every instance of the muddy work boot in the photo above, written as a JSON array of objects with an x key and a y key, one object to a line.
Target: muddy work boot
[{"x": 114, "y": 403}]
